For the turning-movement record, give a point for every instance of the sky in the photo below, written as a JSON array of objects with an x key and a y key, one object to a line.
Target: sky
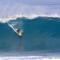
[
  {"x": 32, "y": 2},
  {"x": 40, "y": 2},
  {"x": 29, "y": 8}
]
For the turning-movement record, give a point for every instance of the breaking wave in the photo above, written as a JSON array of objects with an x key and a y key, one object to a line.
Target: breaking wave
[
  {"x": 41, "y": 32},
  {"x": 30, "y": 17}
]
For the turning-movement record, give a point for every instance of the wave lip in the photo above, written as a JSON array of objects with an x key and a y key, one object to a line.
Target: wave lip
[{"x": 8, "y": 18}]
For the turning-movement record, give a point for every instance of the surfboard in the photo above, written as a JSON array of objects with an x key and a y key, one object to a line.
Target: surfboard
[{"x": 20, "y": 33}]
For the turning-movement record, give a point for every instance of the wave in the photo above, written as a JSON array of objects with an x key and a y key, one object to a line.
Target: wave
[
  {"x": 40, "y": 35},
  {"x": 30, "y": 17}
]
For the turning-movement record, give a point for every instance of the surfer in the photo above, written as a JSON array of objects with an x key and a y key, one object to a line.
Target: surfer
[{"x": 18, "y": 30}]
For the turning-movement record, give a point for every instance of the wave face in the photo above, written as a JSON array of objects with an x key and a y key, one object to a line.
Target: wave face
[{"x": 40, "y": 34}]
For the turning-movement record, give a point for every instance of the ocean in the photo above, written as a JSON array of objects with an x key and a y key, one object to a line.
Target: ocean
[{"x": 41, "y": 38}]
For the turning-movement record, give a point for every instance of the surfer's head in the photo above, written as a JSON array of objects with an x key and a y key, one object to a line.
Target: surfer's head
[{"x": 18, "y": 30}]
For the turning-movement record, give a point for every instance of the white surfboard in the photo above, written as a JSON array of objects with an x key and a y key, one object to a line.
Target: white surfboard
[{"x": 20, "y": 33}]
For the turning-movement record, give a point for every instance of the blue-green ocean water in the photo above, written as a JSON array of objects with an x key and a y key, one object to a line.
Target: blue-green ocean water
[{"x": 40, "y": 34}]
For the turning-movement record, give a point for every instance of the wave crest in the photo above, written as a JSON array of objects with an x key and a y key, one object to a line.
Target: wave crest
[{"x": 8, "y": 18}]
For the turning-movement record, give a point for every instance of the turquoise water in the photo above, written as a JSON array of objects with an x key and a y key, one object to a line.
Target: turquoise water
[{"x": 40, "y": 34}]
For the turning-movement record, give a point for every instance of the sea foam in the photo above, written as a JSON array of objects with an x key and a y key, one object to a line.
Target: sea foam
[
  {"x": 29, "y": 58},
  {"x": 31, "y": 17}
]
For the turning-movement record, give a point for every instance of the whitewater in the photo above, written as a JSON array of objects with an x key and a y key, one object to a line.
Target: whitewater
[
  {"x": 29, "y": 58},
  {"x": 31, "y": 17}
]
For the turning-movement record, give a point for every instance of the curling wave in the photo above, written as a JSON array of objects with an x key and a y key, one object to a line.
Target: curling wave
[{"x": 30, "y": 17}]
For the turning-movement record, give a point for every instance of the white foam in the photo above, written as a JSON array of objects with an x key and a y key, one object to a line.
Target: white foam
[
  {"x": 28, "y": 58},
  {"x": 32, "y": 16}
]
